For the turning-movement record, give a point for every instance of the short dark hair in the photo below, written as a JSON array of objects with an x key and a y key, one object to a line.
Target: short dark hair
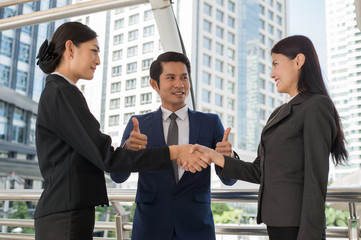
[
  {"x": 76, "y": 32},
  {"x": 156, "y": 67}
]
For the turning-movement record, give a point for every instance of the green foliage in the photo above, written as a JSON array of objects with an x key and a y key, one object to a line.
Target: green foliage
[
  {"x": 336, "y": 217},
  {"x": 222, "y": 213},
  {"x": 20, "y": 211}
]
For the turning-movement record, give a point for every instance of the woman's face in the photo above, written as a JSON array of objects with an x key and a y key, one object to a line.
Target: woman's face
[
  {"x": 84, "y": 60},
  {"x": 286, "y": 73}
]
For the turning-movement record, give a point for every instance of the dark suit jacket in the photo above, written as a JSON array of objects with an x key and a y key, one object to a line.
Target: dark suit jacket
[
  {"x": 73, "y": 153},
  {"x": 164, "y": 206},
  {"x": 292, "y": 165}
]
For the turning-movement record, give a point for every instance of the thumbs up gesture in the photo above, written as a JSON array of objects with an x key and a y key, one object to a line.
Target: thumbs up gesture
[
  {"x": 136, "y": 141},
  {"x": 225, "y": 147}
]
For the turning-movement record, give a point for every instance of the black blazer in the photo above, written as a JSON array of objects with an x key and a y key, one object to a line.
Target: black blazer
[
  {"x": 292, "y": 165},
  {"x": 73, "y": 153}
]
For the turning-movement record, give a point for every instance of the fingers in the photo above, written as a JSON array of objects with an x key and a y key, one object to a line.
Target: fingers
[
  {"x": 225, "y": 135},
  {"x": 135, "y": 124}
]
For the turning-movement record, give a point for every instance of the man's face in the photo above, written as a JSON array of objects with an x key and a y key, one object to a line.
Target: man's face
[{"x": 173, "y": 86}]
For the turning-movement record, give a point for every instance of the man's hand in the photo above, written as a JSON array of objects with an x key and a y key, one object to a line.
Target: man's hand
[
  {"x": 207, "y": 153},
  {"x": 225, "y": 147},
  {"x": 136, "y": 141},
  {"x": 194, "y": 161}
]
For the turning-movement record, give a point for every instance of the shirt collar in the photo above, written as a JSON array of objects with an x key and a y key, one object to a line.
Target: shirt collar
[
  {"x": 70, "y": 81},
  {"x": 181, "y": 113}
]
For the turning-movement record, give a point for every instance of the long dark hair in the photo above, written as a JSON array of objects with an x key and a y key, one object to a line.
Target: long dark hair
[
  {"x": 311, "y": 82},
  {"x": 50, "y": 54}
]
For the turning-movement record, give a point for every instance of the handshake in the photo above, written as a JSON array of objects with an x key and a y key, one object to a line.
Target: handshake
[{"x": 190, "y": 157}]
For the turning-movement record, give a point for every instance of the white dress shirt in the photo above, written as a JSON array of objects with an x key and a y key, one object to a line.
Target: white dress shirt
[
  {"x": 61, "y": 75},
  {"x": 183, "y": 128}
]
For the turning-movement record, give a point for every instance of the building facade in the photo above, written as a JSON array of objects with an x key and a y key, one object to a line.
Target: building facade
[{"x": 344, "y": 75}]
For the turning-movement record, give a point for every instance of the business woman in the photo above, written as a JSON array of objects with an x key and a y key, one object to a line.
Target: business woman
[
  {"x": 73, "y": 154},
  {"x": 293, "y": 155}
]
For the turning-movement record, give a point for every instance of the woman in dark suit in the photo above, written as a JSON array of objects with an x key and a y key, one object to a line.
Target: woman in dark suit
[
  {"x": 293, "y": 155},
  {"x": 73, "y": 154}
]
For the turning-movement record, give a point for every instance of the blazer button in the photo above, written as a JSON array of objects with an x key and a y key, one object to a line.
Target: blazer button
[{"x": 174, "y": 197}]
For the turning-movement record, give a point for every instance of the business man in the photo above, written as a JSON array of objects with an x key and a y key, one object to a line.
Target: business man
[{"x": 174, "y": 204}]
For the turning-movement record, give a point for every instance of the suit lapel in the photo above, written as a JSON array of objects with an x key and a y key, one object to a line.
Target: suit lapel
[
  {"x": 284, "y": 111},
  {"x": 156, "y": 123},
  {"x": 194, "y": 127}
]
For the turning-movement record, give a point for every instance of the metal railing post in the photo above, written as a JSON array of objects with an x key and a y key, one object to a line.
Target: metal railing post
[
  {"x": 353, "y": 223},
  {"x": 120, "y": 218}
]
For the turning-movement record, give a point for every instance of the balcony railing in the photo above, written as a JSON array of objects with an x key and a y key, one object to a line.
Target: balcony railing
[{"x": 348, "y": 196}]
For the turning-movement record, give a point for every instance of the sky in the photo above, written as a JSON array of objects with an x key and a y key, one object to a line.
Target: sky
[{"x": 307, "y": 17}]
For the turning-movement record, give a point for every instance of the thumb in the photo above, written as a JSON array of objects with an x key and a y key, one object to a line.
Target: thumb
[
  {"x": 225, "y": 135},
  {"x": 135, "y": 124}
]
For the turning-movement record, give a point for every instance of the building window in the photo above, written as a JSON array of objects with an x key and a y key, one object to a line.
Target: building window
[
  {"x": 231, "y": 6},
  {"x": 261, "y": 9},
  {"x": 119, "y": 10},
  {"x": 270, "y": 43},
  {"x": 262, "y": 83},
  {"x": 270, "y": 29},
  {"x": 220, "y": 2},
  {"x": 118, "y": 39},
  {"x": 230, "y": 103},
  {"x": 9, "y": 12},
  {"x": 130, "y": 84},
  {"x": 219, "y": 32},
  {"x": 279, "y": 7},
  {"x": 262, "y": 53},
  {"x": 118, "y": 24},
  {"x": 129, "y": 101},
  {"x": 206, "y": 78},
  {"x": 117, "y": 55},
  {"x": 6, "y": 46},
  {"x": 132, "y": 51},
  {"x": 230, "y": 121},
  {"x": 262, "y": 68},
  {"x": 231, "y": 70},
  {"x": 148, "y": 31},
  {"x": 261, "y": 22},
  {"x": 115, "y": 87},
  {"x": 132, "y": 67},
  {"x": 148, "y": 47},
  {"x": 206, "y": 60},
  {"x": 133, "y": 35},
  {"x": 4, "y": 75},
  {"x": 146, "y": 63},
  {"x": 148, "y": 15},
  {"x": 231, "y": 22},
  {"x": 114, "y": 120},
  {"x": 219, "y": 82},
  {"x": 206, "y": 96},
  {"x": 230, "y": 37},
  {"x": 271, "y": 102},
  {"x": 219, "y": 65},
  {"x": 262, "y": 114},
  {"x": 117, "y": 71},
  {"x": 114, "y": 103},
  {"x": 231, "y": 53},
  {"x": 144, "y": 81},
  {"x": 270, "y": 15},
  {"x": 27, "y": 30},
  {"x": 230, "y": 87},
  {"x": 207, "y": 9},
  {"x": 271, "y": 86},
  {"x": 21, "y": 80},
  {"x": 279, "y": 20},
  {"x": 262, "y": 38},
  {"x": 207, "y": 43},
  {"x": 127, "y": 117},
  {"x": 18, "y": 133},
  {"x": 279, "y": 33},
  {"x": 145, "y": 98},
  {"x": 219, "y": 16},
  {"x": 219, "y": 49},
  {"x": 145, "y": 111},
  {"x": 263, "y": 99},
  {"x": 3, "y": 120},
  {"x": 218, "y": 100},
  {"x": 133, "y": 19},
  {"x": 207, "y": 26}
]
